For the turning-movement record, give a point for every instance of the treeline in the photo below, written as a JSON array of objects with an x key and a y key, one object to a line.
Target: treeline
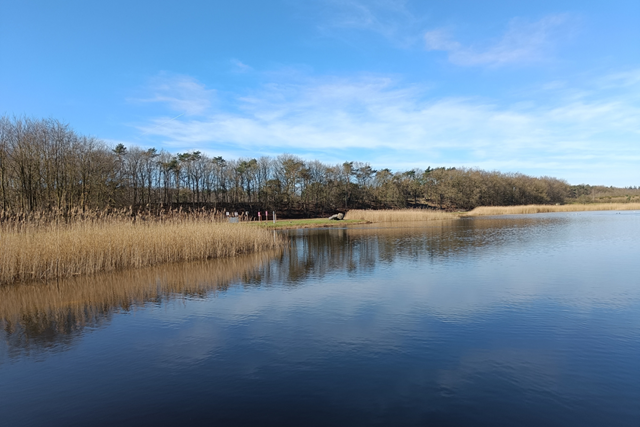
[
  {"x": 45, "y": 165},
  {"x": 585, "y": 193}
]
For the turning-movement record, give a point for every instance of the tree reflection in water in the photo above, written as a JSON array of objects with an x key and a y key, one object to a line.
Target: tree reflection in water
[{"x": 52, "y": 316}]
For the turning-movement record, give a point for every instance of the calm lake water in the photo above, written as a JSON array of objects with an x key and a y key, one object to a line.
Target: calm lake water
[{"x": 510, "y": 321}]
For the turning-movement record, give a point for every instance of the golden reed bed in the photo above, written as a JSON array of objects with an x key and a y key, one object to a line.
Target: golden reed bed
[
  {"x": 402, "y": 215},
  {"x": 532, "y": 209},
  {"x": 398, "y": 215},
  {"x": 45, "y": 250}
]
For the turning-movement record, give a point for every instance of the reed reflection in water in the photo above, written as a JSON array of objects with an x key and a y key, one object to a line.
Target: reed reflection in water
[{"x": 50, "y": 315}]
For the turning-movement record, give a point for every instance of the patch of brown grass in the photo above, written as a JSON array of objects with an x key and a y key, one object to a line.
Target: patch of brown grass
[
  {"x": 36, "y": 249},
  {"x": 398, "y": 215},
  {"x": 532, "y": 209}
]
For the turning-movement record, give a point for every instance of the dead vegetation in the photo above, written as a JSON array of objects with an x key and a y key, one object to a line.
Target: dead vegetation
[
  {"x": 532, "y": 209},
  {"x": 399, "y": 215},
  {"x": 406, "y": 215},
  {"x": 49, "y": 246}
]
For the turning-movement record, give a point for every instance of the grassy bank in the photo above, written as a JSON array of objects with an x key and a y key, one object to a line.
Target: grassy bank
[
  {"x": 399, "y": 215},
  {"x": 32, "y": 249},
  {"x": 532, "y": 209}
]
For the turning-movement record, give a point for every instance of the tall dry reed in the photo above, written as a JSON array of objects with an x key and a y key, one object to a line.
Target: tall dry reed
[
  {"x": 532, "y": 209},
  {"x": 399, "y": 215},
  {"x": 42, "y": 247}
]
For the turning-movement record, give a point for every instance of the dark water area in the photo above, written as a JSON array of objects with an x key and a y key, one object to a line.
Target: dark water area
[{"x": 510, "y": 321}]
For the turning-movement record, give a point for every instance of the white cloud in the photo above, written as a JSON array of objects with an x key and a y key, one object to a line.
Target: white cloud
[
  {"x": 440, "y": 40},
  {"x": 239, "y": 66},
  {"x": 377, "y": 119},
  {"x": 391, "y": 19},
  {"x": 621, "y": 80},
  {"x": 183, "y": 94},
  {"x": 523, "y": 42}
]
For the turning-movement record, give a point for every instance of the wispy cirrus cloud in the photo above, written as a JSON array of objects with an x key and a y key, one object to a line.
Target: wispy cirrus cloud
[
  {"x": 239, "y": 66},
  {"x": 392, "y": 19},
  {"x": 523, "y": 42},
  {"x": 182, "y": 94},
  {"x": 575, "y": 134}
]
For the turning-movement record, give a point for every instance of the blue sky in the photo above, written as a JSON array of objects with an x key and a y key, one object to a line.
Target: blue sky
[{"x": 544, "y": 88}]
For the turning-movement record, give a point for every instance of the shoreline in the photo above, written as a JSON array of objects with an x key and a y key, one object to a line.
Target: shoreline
[
  {"x": 534, "y": 209},
  {"x": 294, "y": 224},
  {"x": 49, "y": 252},
  {"x": 397, "y": 215}
]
